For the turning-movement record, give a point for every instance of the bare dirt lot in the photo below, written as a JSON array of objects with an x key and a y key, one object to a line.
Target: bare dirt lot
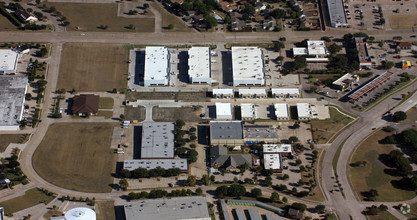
[
  {"x": 6, "y": 139},
  {"x": 77, "y": 156},
  {"x": 89, "y": 67},
  {"x": 403, "y": 21},
  {"x": 135, "y": 113},
  {"x": 178, "y": 96},
  {"x": 88, "y": 17},
  {"x": 105, "y": 210},
  {"x": 173, "y": 114}
]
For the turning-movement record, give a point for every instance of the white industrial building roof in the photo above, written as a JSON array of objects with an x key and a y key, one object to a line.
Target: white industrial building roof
[
  {"x": 154, "y": 163},
  {"x": 199, "y": 64},
  {"x": 252, "y": 92},
  {"x": 291, "y": 91},
  {"x": 277, "y": 148},
  {"x": 336, "y": 13},
  {"x": 247, "y": 110},
  {"x": 223, "y": 110},
  {"x": 156, "y": 65},
  {"x": 186, "y": 208},
  {"x": 317, "y": 47},
  {"x": 8, "y": 61},
  {"x": 80, "y": 213},
  {"x": 299, "y": 51},
  {"x": 12, "y": 98},
  {"x": 304, "y": 110},
  {"x": 281, "y": 110},
  {"x": 223, "y": 92},
  {"x": 157, "y": 140},
  {"x": 248, "y": 66},
  {"x": 272, "y": 162}
]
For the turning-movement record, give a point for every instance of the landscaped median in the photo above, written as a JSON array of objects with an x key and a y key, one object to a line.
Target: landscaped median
[{"x": 31, "y": 198}]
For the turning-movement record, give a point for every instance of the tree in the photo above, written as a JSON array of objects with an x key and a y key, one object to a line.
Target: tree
[
  {"x": 211, "y": 21},
  {"x": 299, "y": 206},
  {"x": 334, "y": 48},
  {"x": 140, "y": 173},
  {"x": 179, "y": 123},
  {"x": 52, "y": 9},
  {"x": 193, "y": 137},
  {"x": 278, "y": 13},
  {"x": 325, "y": 38},
  {"x": 205, "y": 179},
  {"x": 212, "y": 178},
  {"x": 13, "y": 164},
  {"x": 296, "y": 125},
  {"x": 199, "y": 191},
  {"x": 388, "y": 65},
  {"x": 256, "y": 192},
  {"x": 284, "y": 200},
  {"x": 320, "y": 208},
  {"x": 192, "y": 129},
  {"x": 236, "y": 190},
  {"x": 122, "y": 116},
  {"x": 383, "y": 207},
  {"x": 293, "y": 139},
  {"x": 146, "y": 5},
  {"x": 28, "y": 96},
  {"x": 38, "y": 2},
  {"x": 170, "y": 26},
  {"x": 299, "y": 62},
  {"x": 191, "y": 180},
  {"x": 373, "y": 210},
  {"x": 274, "y": 197},
  {"x": 222, "y": 191},
  {"x": 66, "y": 23},
  {"x": 339, "y": 61},
  {"x": 268, "y": 181},
  {"x": 278, "y": 46},
  {"x": 123, "y": 184},
  {"x": 192, "y": 155},
  {"x": 399, "y": 116},
  {"x": 125, "y": 173}
]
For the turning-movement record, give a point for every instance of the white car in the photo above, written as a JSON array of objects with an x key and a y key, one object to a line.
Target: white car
[{"x": 61, "y": 110}]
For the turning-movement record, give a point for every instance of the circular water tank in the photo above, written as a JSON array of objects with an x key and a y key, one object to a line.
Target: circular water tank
[{"x": 80, "y": 213}]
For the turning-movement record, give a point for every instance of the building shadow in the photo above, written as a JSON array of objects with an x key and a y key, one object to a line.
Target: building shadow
[
  {"x": 183, "y": 67},
  {"x": 139, "y": 67},
  {"x": 137, "y": 140},
  {"x": 227, "y": 67}
]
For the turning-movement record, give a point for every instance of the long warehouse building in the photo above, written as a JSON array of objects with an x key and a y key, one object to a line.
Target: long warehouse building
[
  {"x": 12, "y": 99},
  {"x": 336, "y": 13},
  {"x": 199, "y": 65},
  {"x": 248, "y": 66},
  {"x": 156, "y": 66}
]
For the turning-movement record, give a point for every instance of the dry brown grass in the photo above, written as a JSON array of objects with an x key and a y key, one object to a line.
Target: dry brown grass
[
  {"x": 403, "y": 21},
  {"x": 138, "y": 113},
  {"x": 77, "y": 156},
  {"x": 6, "y": 25},
  {"x": 6, "y": 139},
  {"x": 89, "y": 16},
  {"x": 89, "y": 67},
  {"x": 105, "y": 210},
  {"x": 173, "y": 114},
  {"x": 31, "y": 198}
]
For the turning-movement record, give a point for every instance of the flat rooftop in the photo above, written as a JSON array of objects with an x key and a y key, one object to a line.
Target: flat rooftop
[
  {"x": 304, "y": 110},
  {"x": 259, "y": 132},
  {"x": 8, "y": 61},
  {"x": 156, "y": 63},
  {"x": 247, "y": 63},
  {"x": 154, "y": 163},
  {"x": 362, "y": 47},
  {"x": 226, "y": 130},
  {"x": 277, "y": 148},
  {"x": 157, "y": 140},
  {"x": 12, "y": 97},
  {"x": 345, "y": 79},
  {"x": 199, "y": 62},
  {"x": 168, "y": 209},
  {"x": 272, "y": 161},
  {"x": 223, "y": 109},
  {"x": 223, "y": 92},
  {"x": 252, "y": 92},
  {"x": 336, "y": 12},
  {"x": 316, "y": 47},
  {"x": 247, "y": 110},
  {"x": 291, "y": 91},
  {"x": 299, "y": 51},
  {"x": 281, "y": 110},
  {"x": 370, "y": 85}
]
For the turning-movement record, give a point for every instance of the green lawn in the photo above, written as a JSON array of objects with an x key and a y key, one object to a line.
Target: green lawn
[
  {"x": 106, "y": 103},
  {"x": 31, "y": 198},
  {"x": 87, "y": 17},
  {"x": 372, "y": 175},
  {"x": 382, "y": 216},
  {"x": 323, "y": 130}
]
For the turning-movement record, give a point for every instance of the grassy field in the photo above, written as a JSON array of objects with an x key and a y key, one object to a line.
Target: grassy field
[
  {"x": 372, "y": 175},
  {"x": 323, "y": 130},
  {"x": 89, "y": 67},
  {"x": 173, "y": 114},
  {"x": 168, "y": 18},
  {"x": 6, "y": 25},
  {"x": 6, "y": 139},
  {"x": 87, "y": 17},
  {"x": 77, "y": 156},
  {"x": 105, "y": 114},
  {"x": 138, "y": 113},
  {"x": 106, "y": 103},
  {"x": 105, "y": 210},
  {"x": 385, "y": 215},
  {"x": 403, "y": 21},
  {"x": 411, "y": 116},
  {"x": 31, "y": 198},
  {"x": 316, "y": 194}
]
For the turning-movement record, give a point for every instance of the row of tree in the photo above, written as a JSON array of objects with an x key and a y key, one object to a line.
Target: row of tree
[
  {"x": 159, "y": 193},
  {"x": 144, "y": 173}
]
